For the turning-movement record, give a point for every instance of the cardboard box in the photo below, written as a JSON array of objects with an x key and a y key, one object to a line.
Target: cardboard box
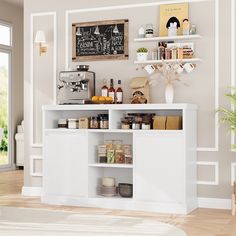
[
  {"x": 159, "y": 122},
  {"x": 174, "y": 123},
  {"x": 83, "y": 123}
]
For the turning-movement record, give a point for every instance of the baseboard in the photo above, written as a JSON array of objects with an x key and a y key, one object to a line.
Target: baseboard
[
  {"x": 214, "y": 203},
  {"x": 31, "y": 191}
]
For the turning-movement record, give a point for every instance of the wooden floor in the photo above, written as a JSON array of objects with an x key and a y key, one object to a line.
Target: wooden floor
[{"x": 202, "y": 222}]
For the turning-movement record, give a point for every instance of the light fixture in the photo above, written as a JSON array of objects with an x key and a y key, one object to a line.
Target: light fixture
[
  {"x": 116, "y": 30},
  {"x": 78, "y": 32},
  {"x": 97, "y": 31},
  {"x": 41, "y": 40}
]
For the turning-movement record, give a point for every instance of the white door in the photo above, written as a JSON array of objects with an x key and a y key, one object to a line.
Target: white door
[
  {"x": 159, "y": 168},
  {"x": 65, "y": 169}
]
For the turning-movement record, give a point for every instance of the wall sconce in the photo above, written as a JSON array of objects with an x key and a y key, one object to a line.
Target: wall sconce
[{"x": 41, "y": 40}]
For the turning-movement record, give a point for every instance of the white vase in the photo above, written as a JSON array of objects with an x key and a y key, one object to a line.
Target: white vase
[{"x": 169, "y": 93}]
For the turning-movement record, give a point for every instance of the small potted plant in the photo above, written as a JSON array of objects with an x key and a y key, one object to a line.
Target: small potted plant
[{"x": 142, "y": 54}]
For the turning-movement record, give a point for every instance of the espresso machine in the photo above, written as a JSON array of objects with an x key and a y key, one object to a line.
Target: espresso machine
[{"x": 75, "y": 87}]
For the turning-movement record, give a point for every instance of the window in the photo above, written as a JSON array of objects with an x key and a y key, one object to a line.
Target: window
[{"x": 5, "y": 34}]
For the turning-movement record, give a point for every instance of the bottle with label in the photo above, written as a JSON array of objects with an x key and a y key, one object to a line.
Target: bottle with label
[
  {"x": 104, "y": 89},
  {"x": 112, "y": 91},
  {"x": 119, "y": 93}
]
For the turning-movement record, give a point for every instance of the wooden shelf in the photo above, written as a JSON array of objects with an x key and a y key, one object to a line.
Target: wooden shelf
[
  {"x": 192, "y": 60},
  {"x": 106, "y": 165},
  {"x": 166, "y": 38}
]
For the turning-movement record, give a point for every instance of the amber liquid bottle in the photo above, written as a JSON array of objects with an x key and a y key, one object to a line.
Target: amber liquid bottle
[
  {"x": 119, "y": 93},
  {"x": 104, "y": 89},
  {"x": 112, "y": 91}
]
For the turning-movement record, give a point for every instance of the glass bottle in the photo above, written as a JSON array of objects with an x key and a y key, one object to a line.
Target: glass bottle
[
  {"x": 111, "y": 91},
  {"x": 119, "y": 93},
  {"x": 104, "y": 89}
]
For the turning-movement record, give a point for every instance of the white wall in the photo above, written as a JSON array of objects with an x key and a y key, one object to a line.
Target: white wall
[
  {"x": 14, "y": 15},
  {"x": 203, "y": 84}
]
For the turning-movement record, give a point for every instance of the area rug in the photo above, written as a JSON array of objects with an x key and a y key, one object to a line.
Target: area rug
[{"x": 37, "y": 222}]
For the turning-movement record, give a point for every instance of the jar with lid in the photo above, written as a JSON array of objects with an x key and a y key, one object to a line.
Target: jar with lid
[
  {"x": 193, "y": 30},
  {"x": 119, "y": 157},
  {"x": 62, "y": 123},
  {"x": 146, "y": 125},
  {"x": 94, "y": 123},
  {"x": 125, "y": 124},
  {"x": 73, "y": 124},
  {"x": 102, "y": 158},
  {"x": 103, "y": 121},
  {"x": 149, "y": 31},
  {"x": 136, "y": 125}
]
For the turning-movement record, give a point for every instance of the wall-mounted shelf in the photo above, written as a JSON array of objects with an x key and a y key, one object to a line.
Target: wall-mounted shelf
[
  {"x": 192, "y": 60},
  {"x": 166, "y": 38}
]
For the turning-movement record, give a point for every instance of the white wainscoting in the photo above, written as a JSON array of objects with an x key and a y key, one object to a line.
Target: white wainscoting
[
  {"x": 32, "y": 166},
  {"x": 32, "y": 16},
  {"x": 215, "y": 165}
]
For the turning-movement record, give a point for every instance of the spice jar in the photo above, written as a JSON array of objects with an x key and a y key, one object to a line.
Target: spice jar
[
  {"x": 146, "y": 125},
  {"x": 103, "y": 121},
  {"x": 111, "y": 156},
  {"x": 94, "y": 123},
  {"x": 128, "y": 159},
  {"x": 73, "y": 123},
  {"x": 102, "y": 158},
  {"x": 119, "y": 156},
  {"x": 125, "y": 124},
  {"x": 62, "y": 123},
  {"x": 136, "y": 125}
]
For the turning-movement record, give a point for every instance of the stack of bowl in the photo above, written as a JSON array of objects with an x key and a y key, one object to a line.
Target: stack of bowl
[{"x": 108, "y": 188}]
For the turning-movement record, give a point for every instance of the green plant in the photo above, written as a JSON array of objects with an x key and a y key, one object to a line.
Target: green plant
[
  {"x": 142, "y": 50},
  {"x": 229, "y": 116}
]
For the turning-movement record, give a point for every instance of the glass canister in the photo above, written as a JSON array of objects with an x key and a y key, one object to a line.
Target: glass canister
[
  {"x": 73, "y": 124},
  {"x": 193, "y": 30},
  {"x": 94, "y": 124},
  {"x": 149, "y": 31},
  {"x": 119, "y": 156},
  {"x": 103, "y": 121},
  {"x": 62, "y": 123},
  {"x": 111, "y": 156}
]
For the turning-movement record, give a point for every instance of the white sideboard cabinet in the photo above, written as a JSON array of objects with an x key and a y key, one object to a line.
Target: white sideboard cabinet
[{"x": 163, "y": 172}]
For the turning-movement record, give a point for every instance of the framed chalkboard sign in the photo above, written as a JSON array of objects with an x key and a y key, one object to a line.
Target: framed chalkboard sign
[{"x": 100, "y": 40}]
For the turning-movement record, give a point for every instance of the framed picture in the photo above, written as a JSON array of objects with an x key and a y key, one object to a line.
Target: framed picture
[
  {"x": 100, "y": 40},
  {"x": 170, "y": 13}
]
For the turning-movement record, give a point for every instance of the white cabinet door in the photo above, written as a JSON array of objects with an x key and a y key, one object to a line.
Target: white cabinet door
[
  {"x": 159, "y": 168},
  {"x": 65, "y": 169}
]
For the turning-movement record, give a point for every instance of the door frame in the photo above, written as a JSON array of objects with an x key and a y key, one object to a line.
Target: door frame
[{"x": 8, "y": 50}]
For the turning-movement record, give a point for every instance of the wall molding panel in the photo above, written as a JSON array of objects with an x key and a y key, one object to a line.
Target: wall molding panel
[
  {"x": 32, "y": 166},
  {"x": 32, "y": 94},
  {"x": 215, "y": 148},
  {"x": 216, "y": 168},
  {"x": 233, "y": 172},
  {"x": 233, "y": 57}
]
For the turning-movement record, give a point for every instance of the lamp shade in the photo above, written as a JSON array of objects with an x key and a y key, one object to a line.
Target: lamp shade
[{"x": 40, "y": 37}]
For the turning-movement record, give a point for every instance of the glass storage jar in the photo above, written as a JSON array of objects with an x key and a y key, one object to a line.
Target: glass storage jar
[
  {"x": 62, "y": 123},
  {"x": 103, "y": 121},
  {"x": 94, "y": 123}
]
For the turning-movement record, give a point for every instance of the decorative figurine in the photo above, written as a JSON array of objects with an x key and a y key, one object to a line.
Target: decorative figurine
[{"x": 186, "y": 27}]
